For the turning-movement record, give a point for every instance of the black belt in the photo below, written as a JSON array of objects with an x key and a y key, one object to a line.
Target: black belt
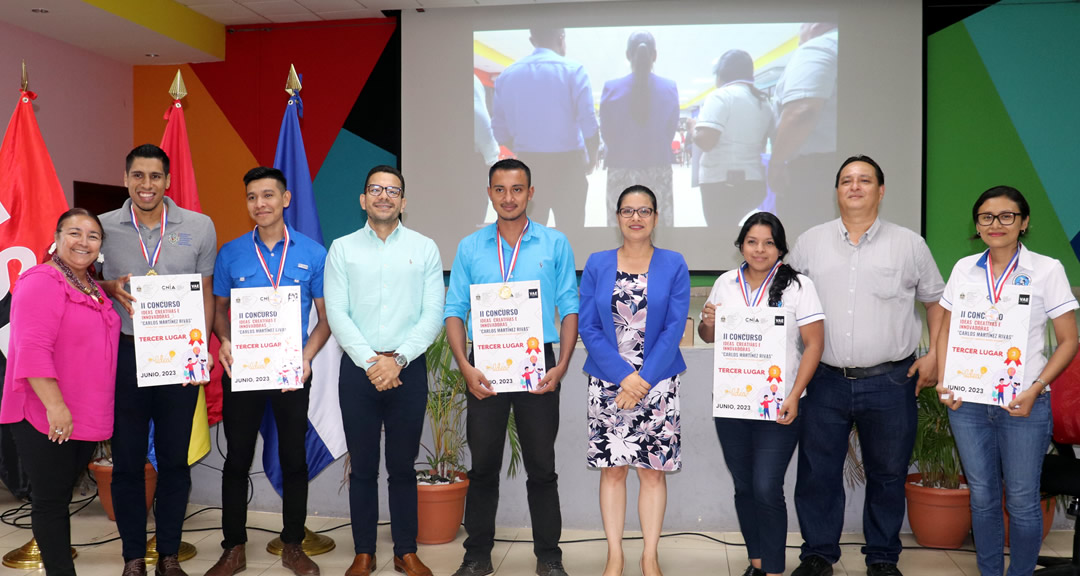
[
  {"x": 883, "y": 368},
  {"x": 127, "y": 337}
]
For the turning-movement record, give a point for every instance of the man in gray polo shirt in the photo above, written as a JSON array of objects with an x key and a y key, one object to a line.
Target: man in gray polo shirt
[
  {"x": 869, "y": 274},
  {"x": 150, "y": 234}
]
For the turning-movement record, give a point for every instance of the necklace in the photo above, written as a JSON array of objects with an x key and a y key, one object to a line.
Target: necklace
[{"x": 92, "y": 291}]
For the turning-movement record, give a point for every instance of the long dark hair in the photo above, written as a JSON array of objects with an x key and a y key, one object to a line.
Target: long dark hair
[
  {"x": 737, "y": 65},
  {"x": 640, "y": 51},
  {"x": 786, "y": 274}
]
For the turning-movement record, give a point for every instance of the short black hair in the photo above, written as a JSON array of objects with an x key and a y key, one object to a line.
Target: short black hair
[
  {"x": 79, "y": 212},
  {"x": 509, "y": 164},
  {"x": 147, "y": 151},
  {"x": 861, "y": 158},
  {"x": 260, "y": 172},
  {"x": 546, "y": 37},
  {"x": 388, "y": 170}
]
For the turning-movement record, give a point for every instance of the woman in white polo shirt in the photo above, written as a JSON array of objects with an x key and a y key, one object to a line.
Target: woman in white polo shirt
[
  {"x": 1006, "y": 443},
  {"x": 757, "y": 452}
]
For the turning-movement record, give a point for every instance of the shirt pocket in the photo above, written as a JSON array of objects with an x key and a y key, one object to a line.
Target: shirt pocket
[
  {"x": 244, "y": 274},
  {"x": 294, "y": 275},
  {"x": 886, "y": 281}
]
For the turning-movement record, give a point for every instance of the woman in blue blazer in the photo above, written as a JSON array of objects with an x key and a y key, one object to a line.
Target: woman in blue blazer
[{"x": 634, "y": 305}]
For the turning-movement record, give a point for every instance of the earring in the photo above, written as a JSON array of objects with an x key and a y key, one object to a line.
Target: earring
[
  {"x": 978, "y": 235},
  {"x": 52, "y": 249},
  {"x": 100, "y": 258}
]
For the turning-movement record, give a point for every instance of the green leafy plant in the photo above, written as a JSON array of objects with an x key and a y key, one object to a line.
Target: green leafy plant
[
  {"x": 935, "y": 452},
  {"x": 446, "y": 416}
]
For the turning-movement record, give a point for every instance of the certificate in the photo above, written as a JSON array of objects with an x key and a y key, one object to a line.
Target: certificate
[
  {"x": 170, "y": 329},
  {"x": 988, "y": 345},
  {"x": 750, "y": 362},
  {"x": 508, "y": 334},
  {"x": 267, "y": 344}
]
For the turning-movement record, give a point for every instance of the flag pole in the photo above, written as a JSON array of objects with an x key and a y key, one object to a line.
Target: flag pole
[{"x": 313, "y": 544}]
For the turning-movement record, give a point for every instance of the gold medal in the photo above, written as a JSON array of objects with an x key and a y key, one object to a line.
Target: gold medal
[
  {"x": 505, "y": 292},
  {"x": 151, "y": 272}
]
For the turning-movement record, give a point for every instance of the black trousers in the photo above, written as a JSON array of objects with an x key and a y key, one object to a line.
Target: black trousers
[
  {"x": 537, "y": 418},
  {"x": 365, "y": 412},
  {"x": 561, "y": 185},
  {"x": 725, "y": 203},
  {"x": 53, "y": 470},
  {"x": 242, "y": 414},
  {"x": 172, "y": 409}
]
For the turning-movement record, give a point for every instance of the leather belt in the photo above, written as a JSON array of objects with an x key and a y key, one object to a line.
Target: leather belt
[
  {"x": 387, "y": 354},
  {"x": 127, "y": 337},
  {"x": 871, "y": 371}
]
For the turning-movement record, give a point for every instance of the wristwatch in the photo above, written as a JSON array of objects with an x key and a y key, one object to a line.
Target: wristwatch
[{"x": 401, "y": 360}]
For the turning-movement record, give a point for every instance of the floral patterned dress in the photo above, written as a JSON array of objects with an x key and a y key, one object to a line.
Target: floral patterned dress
[{"x": 647, "y": 435}]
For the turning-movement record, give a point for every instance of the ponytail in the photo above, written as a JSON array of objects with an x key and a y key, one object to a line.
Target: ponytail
[
  {"x": 641, "y": 62},
  {"x": 785, "y": 275}
]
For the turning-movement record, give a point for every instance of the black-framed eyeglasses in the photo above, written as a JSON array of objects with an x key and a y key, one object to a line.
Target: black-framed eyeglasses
[
  {"x": 375, "y": 190},
  {"x": 1006, "y": 218},
  {"x": 628, "y": 212}
]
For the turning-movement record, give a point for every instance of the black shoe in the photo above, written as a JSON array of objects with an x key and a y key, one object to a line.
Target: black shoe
[
  {"x": 883, "y": 569},
  {"x": 551, "y": 568},
  {"x": 474, "y": 568},
  {"x": 814, "y": 566},
  {"x": 751, "y": 571}
]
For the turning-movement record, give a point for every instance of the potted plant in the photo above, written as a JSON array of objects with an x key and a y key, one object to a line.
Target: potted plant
[
  {"x": 939, "y": 506},
  {"x": 101, "y": 468},
  {"x": 441, "y": 488}
]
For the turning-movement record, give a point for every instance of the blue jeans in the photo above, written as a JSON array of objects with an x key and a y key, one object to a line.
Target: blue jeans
[
  {"x": 757, "y": 454},
  {"x": 882, "y": 408},
  {"x": 993, "y": 446}
]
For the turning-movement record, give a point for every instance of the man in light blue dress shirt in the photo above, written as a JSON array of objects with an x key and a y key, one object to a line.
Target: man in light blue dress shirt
[
  {"x": 544, "y": 255},
  {"x": 543, "y": 111},
  {"x": 384, "y": 299}
]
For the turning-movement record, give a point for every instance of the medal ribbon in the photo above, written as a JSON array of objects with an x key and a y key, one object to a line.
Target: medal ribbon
[
  {"x": 151, "y": 260},
  {"x": 754, "y": 300},
  {"x": 506, "y": 272},
  {"x": 994, "y": 287},
  {"x": 281, "y": 265}
]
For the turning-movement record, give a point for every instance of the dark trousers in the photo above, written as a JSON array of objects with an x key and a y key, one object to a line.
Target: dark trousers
[
  {"x": 53, "y": 470},
  {"x": 757, "y": 454},
  {"x": 561, "y": 185},
  {"x": 365, "y": 412},
  {"x": 242, "y": 414},
  {"x": 172, "y": 409},
  {"x": 812, "y": 190},
  {"x": 882, "y": 408},
  {"x": 726, "y": 203},
  {"x": 537, "y": 418}
]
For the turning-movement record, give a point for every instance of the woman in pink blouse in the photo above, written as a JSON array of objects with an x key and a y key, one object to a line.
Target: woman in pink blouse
[{"x": 61, "y": 372}]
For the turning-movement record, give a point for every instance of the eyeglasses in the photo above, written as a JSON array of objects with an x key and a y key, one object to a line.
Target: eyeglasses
[
  {"x": 628, "y": 212},
  {"x": 375, "y": 190},
  {"x": 1006, "y": 218}
]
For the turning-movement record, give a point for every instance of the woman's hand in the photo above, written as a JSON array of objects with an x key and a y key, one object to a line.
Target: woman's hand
[
  {"x": 708, "y": 315},
  {"x": 626, "y": 400},
  {"x": 947, "y": 397},
  {"x": 1021, "y": 406},
  {"x": 789, "y": 410},
  {"x": 60, "y": 425}
]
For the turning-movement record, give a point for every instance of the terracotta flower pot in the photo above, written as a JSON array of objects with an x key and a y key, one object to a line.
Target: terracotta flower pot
[
  {"x": 1047, "y": 506},
  {"x": 103, "y": 476},
  {"x": 940, "y": 518},
  {"x": 440, "y": 511}
]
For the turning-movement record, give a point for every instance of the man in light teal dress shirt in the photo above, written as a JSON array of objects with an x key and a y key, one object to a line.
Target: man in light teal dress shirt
[
  {"x": 544, "y": 255},
  {"x": 384, "y": 300}
]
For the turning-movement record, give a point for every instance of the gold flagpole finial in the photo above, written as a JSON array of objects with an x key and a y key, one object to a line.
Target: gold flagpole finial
[
  {"x": 25, "y": 77},
  {"x": 178, "y": 90},
  {"x": 292, "y": 85}
]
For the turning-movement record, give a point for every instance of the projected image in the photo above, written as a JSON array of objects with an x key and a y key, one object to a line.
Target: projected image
[{"x": 718, "y": 120}]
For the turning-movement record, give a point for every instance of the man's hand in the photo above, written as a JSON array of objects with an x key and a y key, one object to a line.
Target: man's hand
[
  {"x": 927, "y": 369},
  {"x": 115, "y": 290},
  {"x": 225, "y": 356},
  {"x": 384, "y": 372},
  {"x": 476, "y": 382},
  {"x": 304, "y": 377},
  {"x": 551, "y": 380}
]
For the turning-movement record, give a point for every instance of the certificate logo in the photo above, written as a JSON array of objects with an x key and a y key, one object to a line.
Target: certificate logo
[
  {"x": 196, "y": 285},
  {"x": 1024, "y": 299},
  {"x": 778, "y": 321},
  {"x": 534, "y": 293}
]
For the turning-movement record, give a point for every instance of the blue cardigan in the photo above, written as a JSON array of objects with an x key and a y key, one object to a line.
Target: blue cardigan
[{"x": 668, "y": 306}]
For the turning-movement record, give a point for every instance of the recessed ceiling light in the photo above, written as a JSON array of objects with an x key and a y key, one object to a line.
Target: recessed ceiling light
[
  {"x": 151, "y": 55},
  {"x": 40, "y": 10}
]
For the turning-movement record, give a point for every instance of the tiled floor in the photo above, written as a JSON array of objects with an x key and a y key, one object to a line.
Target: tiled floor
[{"x": 680, "y": 555}]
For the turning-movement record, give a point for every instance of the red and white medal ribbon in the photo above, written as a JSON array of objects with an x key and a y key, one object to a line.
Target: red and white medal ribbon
[
  {"x": 151, "y": 259},
  {"x": 993, "y": 287},
  {"x": 503, "y": 270},
  {"x": 754, "y": 300},
  {"x": 281, "y": 265}
]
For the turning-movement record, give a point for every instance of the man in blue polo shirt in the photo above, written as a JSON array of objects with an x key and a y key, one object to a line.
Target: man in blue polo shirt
[
  {"x": 542, "y": 254},
  {"x": 255, "y": 261}
]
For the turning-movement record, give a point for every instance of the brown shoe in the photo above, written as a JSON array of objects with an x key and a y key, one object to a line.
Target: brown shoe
[
  {"x": 232, "y": 560},
  {"x": 362, "y": 565},
  {"x": 294, "y": 558},
  {"x": 136, "y": 567},
  {"x": 411, "y": 565},
  {"x": 169, "y": 566}
]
